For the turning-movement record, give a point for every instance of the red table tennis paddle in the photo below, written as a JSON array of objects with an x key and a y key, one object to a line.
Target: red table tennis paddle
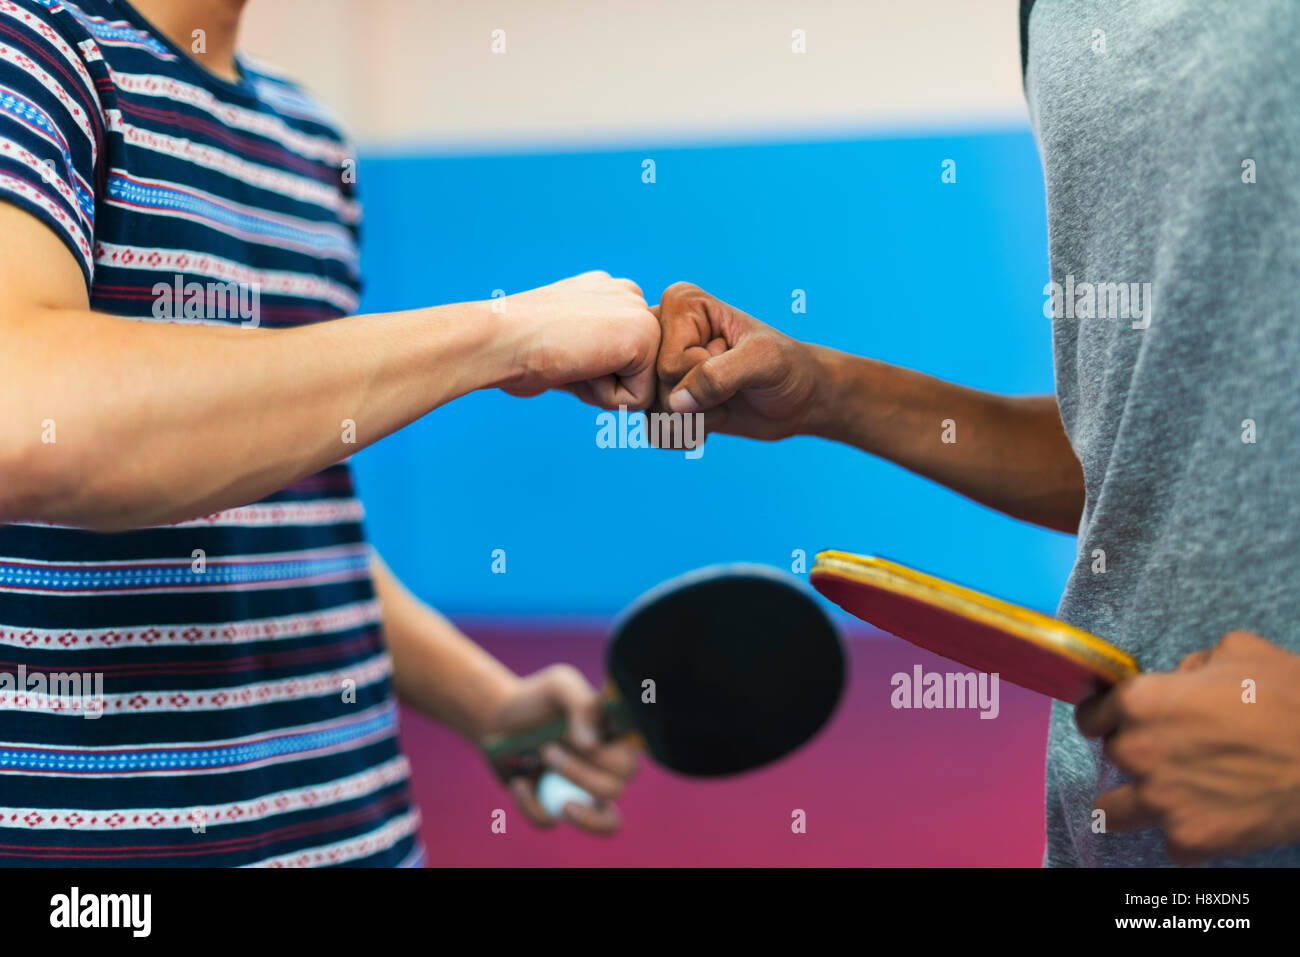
[
  {"x": 744, "y": 664},
  {"x": 1023, "y": 646}
]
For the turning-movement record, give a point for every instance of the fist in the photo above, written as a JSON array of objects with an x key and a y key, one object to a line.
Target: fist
[
  {"x": 592, "y": 335},
  {"x": 751, "y": 379}
]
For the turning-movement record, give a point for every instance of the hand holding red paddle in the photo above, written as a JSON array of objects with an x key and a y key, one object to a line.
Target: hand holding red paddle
[{"x": 1212, "y": 750}]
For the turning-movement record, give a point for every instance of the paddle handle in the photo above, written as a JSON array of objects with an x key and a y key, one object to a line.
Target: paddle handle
[{"x": 519, "y": 753}]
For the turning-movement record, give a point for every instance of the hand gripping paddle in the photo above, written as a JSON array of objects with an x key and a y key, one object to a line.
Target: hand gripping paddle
[{"x": 716, "y": 672}]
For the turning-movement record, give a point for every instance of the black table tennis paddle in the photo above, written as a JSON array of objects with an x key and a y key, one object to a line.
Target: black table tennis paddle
[{"x": 717, "y": 672}]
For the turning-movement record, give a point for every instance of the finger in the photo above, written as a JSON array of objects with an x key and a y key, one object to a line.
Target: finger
[
  {"x": 1197, "y": 659},
  {"x": 571, "y": 694},
  {"x": 1134, "y": 750},
  {"x": 1099, "y": 715},
  {"x": 685, "y": 327},
  {"x": 666, "y": 433},
  {"x": 669, "y": 432},
  {"x": 715, "y": 380},
  {"x": 524, "y": 791},
  {"x": 1189, "y": 853},
  {"x": 612, "y": 391},
  {"x": 592, "y": 779},
  {"x": 1184, "y": 856},
  {"x": 637, "y": 384},
  {"x": 595, "y": 819},
  {"x": 1239, "y": 641},
  {"x": 618, "y": 758},
  {"x": 603, "y": 391},
  {"x": 1139, "y": 698},
  {"x": 583, "y": 390},
  {"x": 1125, "y": 811}
]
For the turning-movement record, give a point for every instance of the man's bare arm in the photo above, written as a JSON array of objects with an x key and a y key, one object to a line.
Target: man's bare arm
[
  {"x": 112, "y": 423},
  {"x": 436, "y": 668},
  {"x": 1008, "y": 452}
]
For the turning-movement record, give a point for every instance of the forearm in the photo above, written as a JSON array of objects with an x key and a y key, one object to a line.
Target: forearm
[
  {"x": 1008, "y": 452},
  {"x": 156, "y": 423},
  {"x": 436, "y": 668}
]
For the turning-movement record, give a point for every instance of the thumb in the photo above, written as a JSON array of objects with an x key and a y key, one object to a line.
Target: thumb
[
  {"x": 713, "y": 381},
  {"x": 569, "y": 691}
]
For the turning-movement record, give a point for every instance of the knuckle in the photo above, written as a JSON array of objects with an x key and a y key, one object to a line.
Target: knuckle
[
  {"x": 636, "y": 341},
  {"x": 1135, "y": 697},
  {"x": 672, "y": 365},
  {"x": 1237, "y": 639},
  {"x": 621, "y": 758},
  {"x": 680, "y": 291},
  {"x": 561, "y": 675},
  {"x": 670, "y": 371},
  {"x": 642, "y": 319}
]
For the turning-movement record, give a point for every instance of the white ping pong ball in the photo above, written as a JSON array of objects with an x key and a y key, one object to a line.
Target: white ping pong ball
[{"x": 554, "y": 791}]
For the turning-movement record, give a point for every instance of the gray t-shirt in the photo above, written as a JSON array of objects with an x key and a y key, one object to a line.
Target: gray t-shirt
[{"x": 1170, "y": 138}]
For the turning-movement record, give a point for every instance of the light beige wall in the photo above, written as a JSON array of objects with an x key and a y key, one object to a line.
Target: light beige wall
[{"x": 610, "y": 71}]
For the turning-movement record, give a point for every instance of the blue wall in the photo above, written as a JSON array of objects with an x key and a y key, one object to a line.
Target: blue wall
[{"x": 946, "y": 278}]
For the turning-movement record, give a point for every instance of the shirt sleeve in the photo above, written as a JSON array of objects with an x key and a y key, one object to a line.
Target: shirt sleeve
[{"x": 51, "y": 127}]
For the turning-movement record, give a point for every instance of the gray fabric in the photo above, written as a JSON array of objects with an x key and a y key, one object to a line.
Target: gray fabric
[{"x": 1142, "y": 147}]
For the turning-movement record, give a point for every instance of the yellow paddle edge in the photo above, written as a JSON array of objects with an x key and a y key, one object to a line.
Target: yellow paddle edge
[{"x": 1043, "y": 630}]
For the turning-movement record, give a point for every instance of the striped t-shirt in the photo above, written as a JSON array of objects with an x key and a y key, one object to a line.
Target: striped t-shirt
[{"x": 216, "y": 692}]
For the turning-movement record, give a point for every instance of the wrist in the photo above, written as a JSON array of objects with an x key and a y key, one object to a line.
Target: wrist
[
  {"x": 517, "y": 344},
  {"x": 858, "y": 401},
  {"x": 467, "y": 343},
  {"x": 492, "y": 695},
  {"x": 826, "y": 407}
]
